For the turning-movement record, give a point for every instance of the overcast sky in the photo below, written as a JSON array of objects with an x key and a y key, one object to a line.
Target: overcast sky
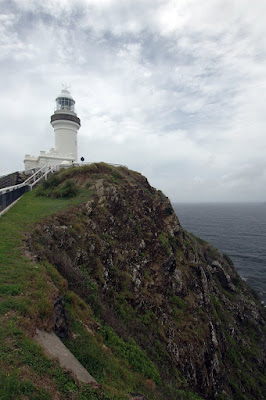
[{"x": 175, "y": 89}]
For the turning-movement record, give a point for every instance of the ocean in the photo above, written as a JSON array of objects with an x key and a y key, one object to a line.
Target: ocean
[{"x": 237, "y": 229}]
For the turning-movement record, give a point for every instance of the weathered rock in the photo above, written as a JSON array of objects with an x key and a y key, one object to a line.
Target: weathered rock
[{"x": 61, "y": 320}]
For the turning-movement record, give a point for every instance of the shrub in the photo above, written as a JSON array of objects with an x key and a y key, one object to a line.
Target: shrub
[
  {"x": 169, "y": 210},
  {"x": 116, "y": 176},
  {"x": 52, "y": 188},
  {"x": 67, "y": 190}
]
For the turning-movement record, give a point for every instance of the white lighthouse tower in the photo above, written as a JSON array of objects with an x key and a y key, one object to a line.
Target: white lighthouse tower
[{"x": 66, "y": 125}]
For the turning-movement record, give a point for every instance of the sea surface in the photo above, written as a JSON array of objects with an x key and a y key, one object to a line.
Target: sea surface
[{"x": 237, "y": 229}]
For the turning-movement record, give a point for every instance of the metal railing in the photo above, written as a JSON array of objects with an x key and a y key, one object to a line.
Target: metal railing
[
  {"x": 7, "y": 198},
  {"x": 9, "y": 195},
  {"x": 42, "y": 174}
]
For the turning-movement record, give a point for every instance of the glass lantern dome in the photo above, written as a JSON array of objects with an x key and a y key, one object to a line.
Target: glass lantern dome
[{"x": 65, "y": 102}]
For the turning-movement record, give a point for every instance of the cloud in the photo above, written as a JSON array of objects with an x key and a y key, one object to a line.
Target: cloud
[
  {"x": 246, "y": 175},
  {"x": 173, "y": 89}
]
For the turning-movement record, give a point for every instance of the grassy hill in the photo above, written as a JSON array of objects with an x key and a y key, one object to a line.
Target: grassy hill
[{"x": 142, "y": 296}]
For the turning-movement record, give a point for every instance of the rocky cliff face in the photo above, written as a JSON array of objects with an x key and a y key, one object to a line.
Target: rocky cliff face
[{"x": 124, "y": 252}]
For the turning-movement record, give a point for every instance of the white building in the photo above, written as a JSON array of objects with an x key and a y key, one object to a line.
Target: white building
[{"x": 66, "y": 125}]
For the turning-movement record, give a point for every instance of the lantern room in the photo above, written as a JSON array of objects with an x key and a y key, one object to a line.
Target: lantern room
[{"x": 65, "y": 102}]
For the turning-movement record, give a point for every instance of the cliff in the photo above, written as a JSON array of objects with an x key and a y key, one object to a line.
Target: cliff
[{"x": 125, "y": 280}]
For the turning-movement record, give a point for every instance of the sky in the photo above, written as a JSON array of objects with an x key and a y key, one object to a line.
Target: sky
[{"x": 174, "y": 89}]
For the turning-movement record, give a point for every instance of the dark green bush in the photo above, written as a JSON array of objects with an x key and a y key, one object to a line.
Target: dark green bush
[
  {"x": 169, "y": 210},
  {"x": 53, "y": 181},
  {"x": 52, "y": 188},
  {"x": 67, "y": 190}
]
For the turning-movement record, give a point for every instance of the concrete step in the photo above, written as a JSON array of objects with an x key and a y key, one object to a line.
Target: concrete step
[{"x": 54, "y": 348}]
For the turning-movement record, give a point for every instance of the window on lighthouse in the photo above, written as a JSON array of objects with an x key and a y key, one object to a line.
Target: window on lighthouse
[{"x": 63, "y": 103}]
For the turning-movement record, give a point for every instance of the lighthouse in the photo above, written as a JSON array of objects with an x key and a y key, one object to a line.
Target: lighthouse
[{"x": 66, "y": 125}]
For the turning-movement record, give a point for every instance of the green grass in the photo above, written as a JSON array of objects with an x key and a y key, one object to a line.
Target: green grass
[
  {"x": 130, "y": 351},
  {"x": 23, "y": 365},
  {"x": 116, "y": 365},
  {"x": 22, "y": 283},
  {"x": 12, "y": 387},
  {"x": 52, "y": 188},
  {"x": 25, "y": 299}
]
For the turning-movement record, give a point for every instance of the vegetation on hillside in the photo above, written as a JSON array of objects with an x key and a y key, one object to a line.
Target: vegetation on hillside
[
  {"x": 152, "y": 309},
  {"x": 27, "y": 292}
]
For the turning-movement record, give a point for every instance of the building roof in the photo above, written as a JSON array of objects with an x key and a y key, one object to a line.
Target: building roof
[{"x": 66, "y": 94}]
